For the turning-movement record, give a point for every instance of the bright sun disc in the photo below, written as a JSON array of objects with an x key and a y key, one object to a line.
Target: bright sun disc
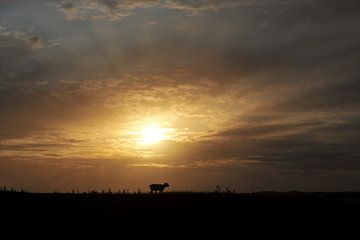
[{"x": 152, "y": 135}]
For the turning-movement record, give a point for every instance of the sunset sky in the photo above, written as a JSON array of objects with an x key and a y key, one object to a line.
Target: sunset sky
[{"x": 251, "y": 95}]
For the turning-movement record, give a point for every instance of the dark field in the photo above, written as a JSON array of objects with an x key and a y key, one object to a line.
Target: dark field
[{"x": 185, "y": 215}]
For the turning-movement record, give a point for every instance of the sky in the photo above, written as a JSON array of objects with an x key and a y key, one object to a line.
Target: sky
[{"x": 251, "y": 95}]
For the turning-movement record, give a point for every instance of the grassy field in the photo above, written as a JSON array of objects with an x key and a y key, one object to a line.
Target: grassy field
[{"x": 185, "y": 214}]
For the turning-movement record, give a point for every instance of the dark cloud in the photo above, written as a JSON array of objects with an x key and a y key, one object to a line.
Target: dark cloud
[
  {"x": 332, "y": 145},
  {"x": 284, "y": 153},
  {"x": 67, "y": 6},
  {"x": 339, "y": 97},
  {"x": 118, "y": 9},
  {"x": 258, "y": 131},
  {"x": 19, "y": 39}
]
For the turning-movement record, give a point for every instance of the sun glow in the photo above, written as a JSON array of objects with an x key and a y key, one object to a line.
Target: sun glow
[{"x": 153, "y": 134}]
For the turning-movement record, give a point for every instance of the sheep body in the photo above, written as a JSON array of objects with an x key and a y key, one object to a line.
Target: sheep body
[{"x": 158, "y": 187}]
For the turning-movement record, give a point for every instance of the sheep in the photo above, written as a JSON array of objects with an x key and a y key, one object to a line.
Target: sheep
[{"x": 158, "y": 187}]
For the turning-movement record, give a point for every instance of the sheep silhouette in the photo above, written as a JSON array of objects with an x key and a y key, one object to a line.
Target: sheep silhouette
[{"x": 158, "y": 187}]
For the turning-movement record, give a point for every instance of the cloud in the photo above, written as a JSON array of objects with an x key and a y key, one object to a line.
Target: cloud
[
  {"x": 68, "y": 6},
  {"x": 70, "y": 11},
  {"x": 258, "y": 131},
  {"x": 19, "y": 39},
  {"x": 113, "y": 10},
  {"x": 283, "y": 153},
  {"x": 35, "y": 42},
  {"x": 339, "y": 97},
  {"x": 153, "y": 23},
  {"x": 195, "y": 7},
  {"x": 119, "y": 9}
]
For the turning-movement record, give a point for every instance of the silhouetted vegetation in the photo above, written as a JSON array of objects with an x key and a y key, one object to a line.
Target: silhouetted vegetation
[{"x": 183, "y": 213}]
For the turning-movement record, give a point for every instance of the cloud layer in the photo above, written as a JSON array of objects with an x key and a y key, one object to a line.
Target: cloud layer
[
  {"x": 119, "y": 9},
  {"x": 253, "y": 90}
]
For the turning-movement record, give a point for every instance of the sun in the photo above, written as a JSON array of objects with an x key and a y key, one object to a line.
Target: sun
[{"x": 152, "y": 134}]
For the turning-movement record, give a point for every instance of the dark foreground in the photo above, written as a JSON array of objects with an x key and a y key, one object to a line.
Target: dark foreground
[{"x": 185, "y": 215}]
